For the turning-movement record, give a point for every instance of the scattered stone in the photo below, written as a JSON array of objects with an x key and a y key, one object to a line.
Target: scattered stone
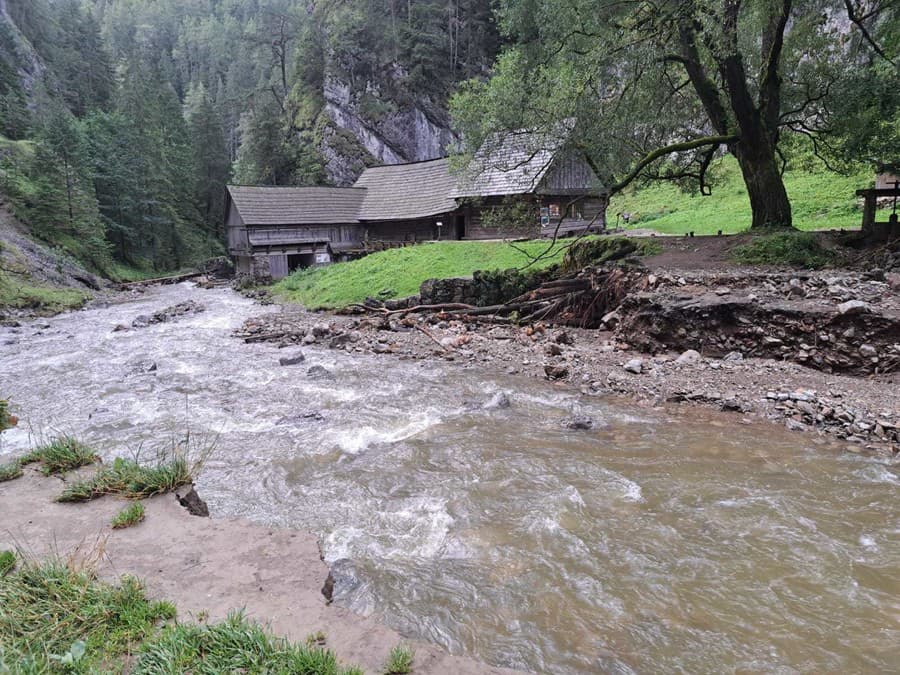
[
  {"x": 379, "y": 348},
  {"x": 634, "y": 366},
  {"x": 292, "y": 360},
  {"x": 690, "y": 356},
  {"x": 321, "y": 330},
  {"x": 141, "y": 367},
  {"x": 554, "y": 349},
  {"x": 556, "y": 372},
  {"x": 192, "y": 502},
  {"x": 120, "y": 327},
  {"x": 140, "y": 321},
  {"x": 578, "y": 422},
  {"x": 867, "y": 351},
  {"x": 313, "y": 415},
  {"x": 498, "y": 401},
  {"x": 794, "y": 425},
  {"x": 319, "y": 373},
  {"x": 340, "y": 341},
  {"x": 309, "y": 339},
  {"x": 564, "y": 338},
  {"x": 733, "y": 356},
  {"x": 852, "y": 307},
  {"x": 795, "y": 287}
]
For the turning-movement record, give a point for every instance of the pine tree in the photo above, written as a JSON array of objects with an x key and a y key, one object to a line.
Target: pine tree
[{"x": 211, "y": 163}]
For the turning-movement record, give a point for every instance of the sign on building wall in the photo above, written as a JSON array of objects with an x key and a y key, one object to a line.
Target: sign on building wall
[
  {"x": 545, "y": 216},
  {"x": 322, "y": 258}
]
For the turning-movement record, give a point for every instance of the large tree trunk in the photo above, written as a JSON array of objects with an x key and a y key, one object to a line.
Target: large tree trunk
[{"x": 762, "y": 175}]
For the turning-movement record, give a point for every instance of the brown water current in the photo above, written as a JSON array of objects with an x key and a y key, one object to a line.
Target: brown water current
[{"x": 655, "y": 542}]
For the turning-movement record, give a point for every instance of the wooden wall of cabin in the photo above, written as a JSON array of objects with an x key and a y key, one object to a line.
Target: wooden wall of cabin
[
  {"x": 575, "y": 211},
  {"x": 286, "y": 234},
  {"x": 409, "y": 230},
  {"x": 236, "y": 231},
  {"x": 476, "y": 228}
]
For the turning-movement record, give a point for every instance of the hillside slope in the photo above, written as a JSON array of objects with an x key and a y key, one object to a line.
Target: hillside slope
[
  {"x": 35, "y": 278},
  {"x": 820, "y": 200}
]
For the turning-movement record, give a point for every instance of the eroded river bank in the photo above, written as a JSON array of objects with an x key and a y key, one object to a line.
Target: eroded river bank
[{"x": 654, "y": 541}]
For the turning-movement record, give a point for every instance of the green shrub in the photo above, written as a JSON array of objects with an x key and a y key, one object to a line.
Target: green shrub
[
  {"x": 399, "y": 661},
  {"x": 60, "y": 455},
  {"x": 797, "y": 249},
  {"x": 130, "y": 515},
  {"x": 10, "y": 470},
  {"x": 7, "y": 561},
  {"x": 235, "y": 645},
  {"x": 596, "y": 251},
  {"x": 130, "y": 480},
  {"x": 54, "y": 617}
]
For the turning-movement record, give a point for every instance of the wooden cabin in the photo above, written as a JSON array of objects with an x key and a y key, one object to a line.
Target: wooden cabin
[{"x": 275, "y": 230}]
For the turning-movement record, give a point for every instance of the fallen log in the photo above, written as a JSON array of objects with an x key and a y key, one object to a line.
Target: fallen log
[
  {"x": 174, "y": 279},
  {"x": 263, "y": 338}
]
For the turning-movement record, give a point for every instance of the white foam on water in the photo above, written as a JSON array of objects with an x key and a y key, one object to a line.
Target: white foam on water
[
  {"x": 630, "y": 490},
  {"x": 867, "y": 541},
  {"x": 878, "y": 474},
  {"x": 357, "y": 440},
  {"x": 418, "y": 528}
]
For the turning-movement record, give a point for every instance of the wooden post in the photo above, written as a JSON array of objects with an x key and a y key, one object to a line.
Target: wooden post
[{"x": 870, "y": 205}]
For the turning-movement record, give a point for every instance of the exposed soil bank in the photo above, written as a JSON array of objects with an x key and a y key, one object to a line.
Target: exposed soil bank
[
  {"x": 208, "y": 565},
  {"x": 813, "y": 351}
]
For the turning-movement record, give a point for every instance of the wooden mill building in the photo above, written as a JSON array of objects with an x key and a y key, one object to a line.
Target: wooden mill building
[{"x": 275, "y": 230}]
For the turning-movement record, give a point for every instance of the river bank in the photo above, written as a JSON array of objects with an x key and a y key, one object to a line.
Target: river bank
[
  {"x": 679, "y": 340},
  {"x": 209, "y": 567}
]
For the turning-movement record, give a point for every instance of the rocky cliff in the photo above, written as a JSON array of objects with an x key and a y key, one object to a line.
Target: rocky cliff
[{"x": 366, "y": 128}]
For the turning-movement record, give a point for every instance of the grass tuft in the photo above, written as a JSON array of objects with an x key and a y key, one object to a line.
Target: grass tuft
[
  {"x": 60, "y": 455},
  {"x": 233, "y": 645},
  {"x": 399, "y": 661},
  {"x": 796, "y": 249},
  {"x": 596, "y": 251},
  {"x": 131, "y": 480},
  {"x": 56, "y": 619},
  {"x": 7, "y": 561},
  {"x": 130, "y": 515},
  {"x": 10, "y": 470}
]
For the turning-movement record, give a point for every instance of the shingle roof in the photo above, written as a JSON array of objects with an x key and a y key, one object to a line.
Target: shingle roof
[
  {"x": 401, "y": 191},
  {"x": 296, "y": 205},
  {"x": 511, "y": 163}
]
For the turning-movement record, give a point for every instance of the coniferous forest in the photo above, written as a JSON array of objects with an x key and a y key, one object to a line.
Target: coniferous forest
[{"x": 124, "y": 119}]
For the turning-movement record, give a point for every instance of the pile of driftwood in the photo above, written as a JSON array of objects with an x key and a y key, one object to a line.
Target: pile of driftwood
[{"x": 578, "y": 300}]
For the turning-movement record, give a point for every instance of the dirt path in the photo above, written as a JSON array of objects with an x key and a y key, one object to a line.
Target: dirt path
[{"x": 209, "y": 565}]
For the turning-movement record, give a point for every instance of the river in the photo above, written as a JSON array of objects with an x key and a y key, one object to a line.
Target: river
[{"x": 657, "y": 542}]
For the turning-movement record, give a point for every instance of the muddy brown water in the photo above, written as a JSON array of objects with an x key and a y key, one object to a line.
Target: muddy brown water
[{"x": 657, "y": 542}]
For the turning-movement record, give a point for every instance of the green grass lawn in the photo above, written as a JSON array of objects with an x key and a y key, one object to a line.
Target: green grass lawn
[
  {"x": 18, "y": 293},
  {"x": 820, "y": 200},
  {"x": 397, "y": 273}
]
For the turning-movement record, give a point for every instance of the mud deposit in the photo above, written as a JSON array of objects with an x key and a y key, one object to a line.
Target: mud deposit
[{"x": 649, "y": 542}]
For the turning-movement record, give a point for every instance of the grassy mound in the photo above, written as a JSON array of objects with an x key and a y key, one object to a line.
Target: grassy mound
[
  {"x": 130, "y": 515},
  {"x": 58, "y": 620},
  {"x": 819, "y": 200},
  {"x": 399, "y": 272},
  {"x": 60, "y": 455},
  {"x": 55, "y": 619},
  {"x": 235, "y": 645},
  {"x": 19, "y": 293},
  {"x": 131, "y": 480},
  {"x": 791, "y": 248}
]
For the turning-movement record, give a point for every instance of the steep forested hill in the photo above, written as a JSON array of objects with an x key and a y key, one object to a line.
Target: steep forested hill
[{"x": 123, "y": 119}]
